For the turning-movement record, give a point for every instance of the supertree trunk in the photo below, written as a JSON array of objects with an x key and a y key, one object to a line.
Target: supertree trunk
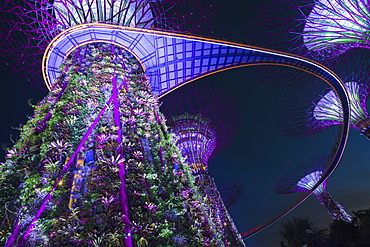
[
  {"x": 96, "y": 164},
  {"x": 334, "y": 208}
]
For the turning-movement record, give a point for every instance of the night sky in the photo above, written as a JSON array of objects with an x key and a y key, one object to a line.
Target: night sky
[{"x": 259, "y": 154}]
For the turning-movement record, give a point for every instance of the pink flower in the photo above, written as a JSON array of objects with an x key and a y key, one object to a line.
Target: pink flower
[
  {"x": 138, "y": 154},
  {"x": 10, "y": 153},
  {"x": 185, "y": 193},
  {"x": 107, "y": 201},
  {"x": 151, "y": 207},
  {"x": 102, "y": 138}
]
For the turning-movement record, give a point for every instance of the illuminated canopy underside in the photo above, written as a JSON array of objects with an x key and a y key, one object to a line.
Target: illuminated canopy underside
[
  {"x": 329, "y": 107},
  {"x": 310, "y": 180},
  {"x": 172, "y": 59},
  {"x": 339, "y": 24},
  {"x": 196, "y": 138}
]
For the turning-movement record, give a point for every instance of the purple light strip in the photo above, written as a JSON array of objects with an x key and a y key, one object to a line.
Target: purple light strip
[
  {"x": 122, "y": 170},
  {"x": 49, "y": 195}
]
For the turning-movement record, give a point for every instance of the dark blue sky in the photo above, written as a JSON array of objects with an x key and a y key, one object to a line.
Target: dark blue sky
[{"x": 259, "y": 156}]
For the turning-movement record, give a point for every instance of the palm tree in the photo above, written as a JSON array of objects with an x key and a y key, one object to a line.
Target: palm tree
[
  {"x": 363, "y": 221},
  {"x": 300, "y": 232},
  {"x": 344, "y": 234}
]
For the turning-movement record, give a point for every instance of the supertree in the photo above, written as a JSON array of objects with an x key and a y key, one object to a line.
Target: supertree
[
  {"x": 332, "y": 27},
  {"x": 314, "y": 108},
  {"x": 211, "y": 103},
  {"x": 320, "y": 29},
  {"x": 198, "y": 137},
  {"x": 50, "y": 142},
  {"x": 304, "y": 177},
  {"x": 96, "y": 156}
]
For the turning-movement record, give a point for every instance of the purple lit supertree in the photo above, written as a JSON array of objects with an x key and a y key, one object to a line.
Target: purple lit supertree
[
  {"x": 330, "y": 27},
  {"x": 304, "y": 177},
  {"x": 94, "y": 164},
  {"x": 314, "y": 108},
  {"x": 27, "y": 27},
  {"x": 211, "y": 103},
  {"x": 198, "y": 137}
]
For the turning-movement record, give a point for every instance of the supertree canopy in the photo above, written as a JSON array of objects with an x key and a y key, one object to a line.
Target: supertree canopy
[
  {"x": 317, "y": 108},
  {"x": 333, "y": 26},
  {"x": 304, "y": 177},
  {"x": 327, "y": 109},
  {"x": 196, "y": 139},
  {"x": 27, "y": 27}
]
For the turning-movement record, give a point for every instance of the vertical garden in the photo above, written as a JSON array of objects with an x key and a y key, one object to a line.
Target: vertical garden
[{"x": 96, "y": 166}]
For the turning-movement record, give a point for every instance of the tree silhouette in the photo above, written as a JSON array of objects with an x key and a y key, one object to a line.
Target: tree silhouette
[
  {"x": 362, "y": 219},
  {"x": 299, "y": 232},
  {"x": 344, "y": 234}
]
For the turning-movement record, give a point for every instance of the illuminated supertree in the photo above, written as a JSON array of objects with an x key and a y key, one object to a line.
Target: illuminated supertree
[
  {"x": 331, "y": 27},
  {"x": 304, "y": 177},
  {"x": 197, "y": 139},
  {"x": 211, "y": 103},
  {"x": 50, "y": 142},
  {"x": 96, "y": 157},
  {"x": 310, "y": 111}
]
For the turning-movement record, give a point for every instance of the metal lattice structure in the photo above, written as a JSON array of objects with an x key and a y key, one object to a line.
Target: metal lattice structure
[
  {"x": 169, "y": 59},
  {"x": 304, "y": 177}
]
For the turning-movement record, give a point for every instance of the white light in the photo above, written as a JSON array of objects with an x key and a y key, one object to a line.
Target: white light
[
  {"x": 335, "y": 22},
  {"x": 310, "y": 180},
  {"x": 329, "y": 106}
]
